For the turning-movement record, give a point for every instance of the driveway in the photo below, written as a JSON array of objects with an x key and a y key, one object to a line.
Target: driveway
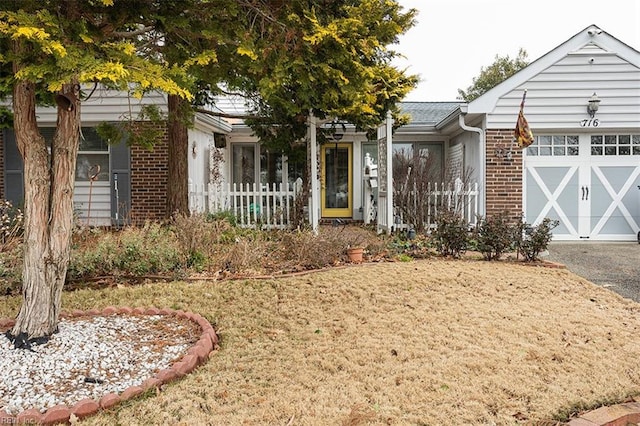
[{"x": 614, "y": 265}]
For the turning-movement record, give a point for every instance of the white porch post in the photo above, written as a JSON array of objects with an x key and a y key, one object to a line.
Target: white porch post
[
  {"x": 389, "y": 177},
  {"x": 314, "y": 193}
]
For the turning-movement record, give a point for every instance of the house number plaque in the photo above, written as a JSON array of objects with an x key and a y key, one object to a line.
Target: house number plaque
[{"x": 590, "y": 122}]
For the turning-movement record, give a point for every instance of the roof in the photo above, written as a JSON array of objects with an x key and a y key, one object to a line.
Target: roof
[{"x": 428, "y": 113}]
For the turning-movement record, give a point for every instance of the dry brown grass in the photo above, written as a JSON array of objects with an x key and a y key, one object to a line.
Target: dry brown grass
[{"x": 428, "y": 342}]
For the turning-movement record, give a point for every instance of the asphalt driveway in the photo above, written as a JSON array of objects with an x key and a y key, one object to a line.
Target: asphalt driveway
[{"x": 614, "y": 265}]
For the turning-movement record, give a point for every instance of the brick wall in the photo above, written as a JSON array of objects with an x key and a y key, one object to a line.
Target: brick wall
[
  {"x": 504, "y": 175},
  {"x": 149, "y": 173}
]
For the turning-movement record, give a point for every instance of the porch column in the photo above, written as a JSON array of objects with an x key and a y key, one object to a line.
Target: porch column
[
  {"x": 314, "y": 192},
  {"x": 389, "y": 177},
  {"x": 385, "y": 175}
]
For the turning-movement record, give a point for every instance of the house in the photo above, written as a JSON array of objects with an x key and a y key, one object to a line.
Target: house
[
  {"x": 582, "y": 103},
  {"x": 115, "y": 183}
]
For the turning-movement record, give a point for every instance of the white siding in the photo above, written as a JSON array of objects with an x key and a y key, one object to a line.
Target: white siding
[
  {"x": 199, "y": 142},
  {"x": 455, "y": 161},
  {"x": 470, "y": 147},
  {"x": 92, "y": 203},
  {"x": 557, "y": 97},
  {"x": 106, "y": 105}
]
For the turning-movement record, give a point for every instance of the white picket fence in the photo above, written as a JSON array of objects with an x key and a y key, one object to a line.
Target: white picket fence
[
  {"x": 455, "y": 197},
  {"x": 271, "y": 206},
  {"x": 254, "y": 205}
]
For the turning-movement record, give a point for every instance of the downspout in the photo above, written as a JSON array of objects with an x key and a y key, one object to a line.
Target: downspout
[
  {"x": 314, "y": 206},
  {"x": 483, "y": 155}
]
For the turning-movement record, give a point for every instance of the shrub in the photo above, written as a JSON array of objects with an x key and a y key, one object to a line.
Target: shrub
[
  {"x": 11, "y": 231},
  {"x": 11, "y": 225},
  {"x": 418, "y": 248},
  {"x": 151, "y": 249},
  {"x": 532, "y": 241},
  {"x": 303, "y": 249},
  {"x": 451, "y": 236},
  {"x": 11, "y": 271},
  {"x": 227, "y": 216},
  {"x": 249, "y": 253},
  {"x": 198, "y": 235},
  {"x": 494, "y": 236}
]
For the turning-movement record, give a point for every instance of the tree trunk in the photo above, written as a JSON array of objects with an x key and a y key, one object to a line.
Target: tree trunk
[
  {"x": 178, "y": 178},
  {"x": 48, "y": 208}
]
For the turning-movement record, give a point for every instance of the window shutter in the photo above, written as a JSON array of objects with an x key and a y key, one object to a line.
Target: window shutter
[
  {"x": 120, "y": 183},
  {"x": 13, "y": 169}
]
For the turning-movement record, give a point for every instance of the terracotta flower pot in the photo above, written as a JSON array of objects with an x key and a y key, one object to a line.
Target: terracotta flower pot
[{"x": 355, "y": 254}]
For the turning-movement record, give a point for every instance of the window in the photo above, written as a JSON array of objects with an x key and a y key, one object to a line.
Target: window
[
  {"x": 372, "y": 150},
  {"x": 270, "y": 167},
  {"x": 246, "y": 167},
  {"x": 93, "y": 154},
  {"x": 425, "y": 159},
  {"x": 609, "y": 145},
  {"x": 557, "y": 146},
  {"x": 297, "y": 166},
  {"x": 244, "y": 163},
  {"x": 93, "y": 157}
]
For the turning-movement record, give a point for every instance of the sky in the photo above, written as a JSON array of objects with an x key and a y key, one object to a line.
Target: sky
[{"x": 454, "y": 39}]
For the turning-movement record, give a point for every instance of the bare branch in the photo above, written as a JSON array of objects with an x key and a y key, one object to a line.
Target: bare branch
[
  {"x": 261, "y": 12},
  {"x": 132, "y": 34},
  {"x": 238, "y": 94}
]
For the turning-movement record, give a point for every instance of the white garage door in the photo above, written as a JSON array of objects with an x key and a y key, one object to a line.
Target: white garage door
[{"x": 590, "y": 183}]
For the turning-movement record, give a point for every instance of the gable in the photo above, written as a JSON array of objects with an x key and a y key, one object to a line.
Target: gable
[{"x": 560, "y": 84}]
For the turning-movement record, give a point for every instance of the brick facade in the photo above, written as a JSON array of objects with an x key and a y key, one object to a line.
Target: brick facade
[
  {"x": 504, "y": 175},
  {"x": 149, "y": 175}
]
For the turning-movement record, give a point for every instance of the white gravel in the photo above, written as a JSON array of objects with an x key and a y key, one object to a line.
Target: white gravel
[{"x": 89, "y": 358}]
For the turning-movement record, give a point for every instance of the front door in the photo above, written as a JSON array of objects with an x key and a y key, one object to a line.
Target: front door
[{"x": 337, "y": 191}]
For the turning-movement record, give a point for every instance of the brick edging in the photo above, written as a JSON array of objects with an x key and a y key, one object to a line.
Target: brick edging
[
  {"x": 614, "y": 415},
  {"x": 196, "y": 355}
]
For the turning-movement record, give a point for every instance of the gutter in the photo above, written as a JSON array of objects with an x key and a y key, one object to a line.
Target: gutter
[
  {"x": 483, "y": 153},
  {"x": 214, "y": 123},
  {"x": 449, "y": 118}
]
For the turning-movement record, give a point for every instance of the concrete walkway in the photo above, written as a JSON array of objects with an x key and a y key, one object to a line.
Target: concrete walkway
[{"x": 614, "y": 265}]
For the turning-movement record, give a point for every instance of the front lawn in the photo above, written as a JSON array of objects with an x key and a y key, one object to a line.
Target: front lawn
[{"x": 423, "y": 342}]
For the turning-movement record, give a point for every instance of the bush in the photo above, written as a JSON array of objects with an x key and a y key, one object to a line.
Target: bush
[
  {"x": 419, "y": 247},
  {"x": 151, "y": 249},
  {"x": 451, "y": 236},
  {"x": 11, "y": 225},
  {"x": 304, "y": 249},
  {"x": 494, "y": 236},
  {"x": 199, "y": 234},
  {"x": 11, "y": 254},
  {"x": 532, "y": 241},
  {"x": 11, "y": 271},
  {"x": 227, "y": 216}
]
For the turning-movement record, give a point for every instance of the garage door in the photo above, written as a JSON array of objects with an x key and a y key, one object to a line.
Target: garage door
[{"x": 589, "y": 183}]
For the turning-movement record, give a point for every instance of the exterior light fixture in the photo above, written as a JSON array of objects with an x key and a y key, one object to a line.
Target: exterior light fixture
[
  {"x": 337, "y": 131},
  {"x": 504, "y": 153},
  {"x": 593, "y": 104}
]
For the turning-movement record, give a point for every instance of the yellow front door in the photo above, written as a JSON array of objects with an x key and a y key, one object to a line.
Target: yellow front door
[{"x": 337, "y": 176}]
